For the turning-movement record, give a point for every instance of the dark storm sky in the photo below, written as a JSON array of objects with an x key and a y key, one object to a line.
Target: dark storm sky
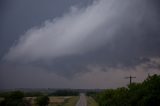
[{"x": 77, "y": 43}]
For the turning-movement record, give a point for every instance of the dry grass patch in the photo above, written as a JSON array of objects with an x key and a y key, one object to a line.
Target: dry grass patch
[
  {"x": 58, "y": 100},
  {"x": 91, "y": 102},
  {"x": 71, "y": 101},
  {"x": 53, "y": 100}
]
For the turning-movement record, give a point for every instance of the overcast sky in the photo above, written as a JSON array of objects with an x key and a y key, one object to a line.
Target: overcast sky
[{"x": 78, "y": 43}]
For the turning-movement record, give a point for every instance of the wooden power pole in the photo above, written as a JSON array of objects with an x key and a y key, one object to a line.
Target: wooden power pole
[{"x": 130, "y": 79}]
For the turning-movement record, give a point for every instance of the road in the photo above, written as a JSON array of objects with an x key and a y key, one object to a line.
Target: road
[{"x": 82, "y": 100}]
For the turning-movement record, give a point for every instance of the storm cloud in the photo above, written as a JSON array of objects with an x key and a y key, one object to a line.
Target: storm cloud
[
  {"x": 81, "y": 30},
  {"x": 67, "y": 35},
  {"x": 87, "y": 46},
  {"x": 112, "y": 77}
]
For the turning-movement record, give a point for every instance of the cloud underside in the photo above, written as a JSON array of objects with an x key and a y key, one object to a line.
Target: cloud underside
[
  {"x": 25, "y": 77},
  {"x": 107, "y": 33}
]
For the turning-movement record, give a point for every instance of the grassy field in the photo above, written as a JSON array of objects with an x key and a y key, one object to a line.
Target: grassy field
[
  {"x": 91, "y": 102},
  {"x": 71, "y": 101},
  {"x": 55, "y": 100}
]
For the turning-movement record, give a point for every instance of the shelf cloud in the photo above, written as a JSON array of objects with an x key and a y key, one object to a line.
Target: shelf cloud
[
  {"x": 77, "y": 32},
  {"x": 95, "y": 43}
]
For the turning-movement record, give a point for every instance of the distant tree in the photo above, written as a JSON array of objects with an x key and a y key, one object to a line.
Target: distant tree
[
  {"x": 2, "y": 102},
  {"x": 14, "y": 99},
  {"x": 64, "y": 93},
  {"x": 42, "y": 100},
  {"x": 32, "y": 94}
]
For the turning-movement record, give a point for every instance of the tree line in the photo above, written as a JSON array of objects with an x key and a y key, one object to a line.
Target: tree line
[
  {"x": 146, "y": 93},
  {"x": 17, "y": 98},
  {"x": 64, "y": 93}
]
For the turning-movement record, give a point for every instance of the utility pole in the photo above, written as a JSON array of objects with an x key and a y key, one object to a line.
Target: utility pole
[{"x": 130, "y": 79}]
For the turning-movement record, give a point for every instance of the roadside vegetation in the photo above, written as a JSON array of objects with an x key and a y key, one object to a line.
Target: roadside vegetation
[
  {"x": 91, "y": 101},
  {"x": 146, "y": 93},
  {"x": 71, "y": 101}
]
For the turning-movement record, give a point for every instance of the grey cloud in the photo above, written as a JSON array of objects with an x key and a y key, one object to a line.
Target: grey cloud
[
  {"x": 13, "y": 76},
  {"x": 62, "y": 36},
  {"x": 108, "y": 33},
  {"x": 79, "y": 31},
  {"x": 22, "y": 76}
]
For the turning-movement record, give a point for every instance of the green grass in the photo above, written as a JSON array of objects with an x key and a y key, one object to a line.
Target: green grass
[
  {"x": 91, "y": 102},
  {"x": 71, "y": 101}
]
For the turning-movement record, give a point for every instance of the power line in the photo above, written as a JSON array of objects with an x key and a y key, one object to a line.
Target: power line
[{"x": 130, "y": 78}]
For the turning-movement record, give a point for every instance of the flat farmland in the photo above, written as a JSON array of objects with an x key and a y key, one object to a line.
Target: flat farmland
[{"x": 57, "y": 100}]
